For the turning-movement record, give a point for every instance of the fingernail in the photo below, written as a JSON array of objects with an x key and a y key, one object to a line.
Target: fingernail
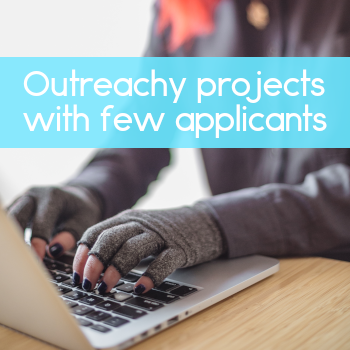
[
  {"x": 76, "y": 278},
  {"x": 56, "y": 249},
  {"x": 87, "y": 284},
  {"x": 139, "y": 289},
  {"x": 102, "y": 287}
]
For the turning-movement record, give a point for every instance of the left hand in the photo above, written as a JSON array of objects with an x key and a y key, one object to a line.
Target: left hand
[
  {"x": 58, "y": 216},
  {"x": 180, "y": 237}
]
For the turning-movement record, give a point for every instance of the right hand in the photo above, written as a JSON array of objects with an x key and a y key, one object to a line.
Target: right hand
[
  {"x": 58, "y": 216},
  {"x": 179, "y": 237}
]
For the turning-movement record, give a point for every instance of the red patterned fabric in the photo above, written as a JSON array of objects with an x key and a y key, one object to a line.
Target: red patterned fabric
[{"x": 187, "y": 19}]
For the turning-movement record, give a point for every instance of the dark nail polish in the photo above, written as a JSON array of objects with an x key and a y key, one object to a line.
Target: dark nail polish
[
  {"x": 139, "y": 289},
  {"x": 56, "y": 249},
  {"x": 87, "y": 285},
  {"x": 76, "y": 278},
  {"x": 102, "y": 288}
]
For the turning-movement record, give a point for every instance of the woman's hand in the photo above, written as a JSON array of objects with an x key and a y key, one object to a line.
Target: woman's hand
[
  {"x": 58, "y": 216},
  {"x": 179, "y": 237}
]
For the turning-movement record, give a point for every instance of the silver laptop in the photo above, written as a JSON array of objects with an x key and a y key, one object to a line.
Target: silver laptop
[{"x": 39, "y": 299}]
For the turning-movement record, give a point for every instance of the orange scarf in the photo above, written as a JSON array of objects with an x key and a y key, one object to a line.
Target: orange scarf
[{"x": 187, "y": 19}]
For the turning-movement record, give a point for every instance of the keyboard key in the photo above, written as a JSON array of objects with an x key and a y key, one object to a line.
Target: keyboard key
[
  {"x": 120, "y": 296},
  {"x": 116, "y": 321},
  {"x": 63, "y": 268},
  {"x": 95, "y": 291},
  {"x": 91, "y": 300},
  {"x": 118, "y": 284},
  {"x": 146, "y": 304},
  {"x": 100, "y": 328},
  {"x": 183, "y": 291},
  {"x": 131, "y": 277},
  {"x": 97, "y": 316},
  {"x": 50, "y": 265},
  {"x": 160, "y": 296},
  {"x": 84, "y": 322},
  {"x": 82, "y": 310},
  {"x": 166, "y": 286},
  {"x": 55, "y": 265},
  {"x": 126, "y": 287},
  {"x": 129, "y": 312},
  {"x": 108, "y": 305},
  {"x": 63, "y": 290},
  {"x": 71, "y": 283},
  {"x": 60, "y": 278},
  {"x": 75, "y": 295},
  {"x": 70, "y": 303}
]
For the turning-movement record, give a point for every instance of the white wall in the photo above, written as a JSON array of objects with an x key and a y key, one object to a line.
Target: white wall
[
  {"x": 74, "y": 27},
  {"x": 84, "y": 28}
]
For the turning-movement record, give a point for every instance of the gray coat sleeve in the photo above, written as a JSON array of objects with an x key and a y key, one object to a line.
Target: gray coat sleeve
[
  {"x": 312, "y": 218},
  {"x": 121, "y": 176}
]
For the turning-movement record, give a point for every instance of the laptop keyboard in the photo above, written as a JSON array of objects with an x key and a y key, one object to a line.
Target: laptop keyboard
[{"x": 102, "y": 313}]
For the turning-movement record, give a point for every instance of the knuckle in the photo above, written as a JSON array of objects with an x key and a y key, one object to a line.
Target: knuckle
[
  {"x": 129, "y": 212},
  {"x": 54, "y": 191},
  {"x": 34, "y": 190},
  {"x": 107, "y": 232},
  {"x": 129, "y": 248},
  {"x": 91, "y": 232},
  {"x": 46, "y": 191},
  {"x": 11, "y": 210}
]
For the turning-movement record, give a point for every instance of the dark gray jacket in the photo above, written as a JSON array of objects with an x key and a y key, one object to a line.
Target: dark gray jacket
[{"x": 280, "y": 202}]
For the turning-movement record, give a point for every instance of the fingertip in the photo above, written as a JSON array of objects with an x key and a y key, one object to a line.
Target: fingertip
[
  {"x": 92, "y": 271},
  {"x": 60, "y": 243},
  {"x": 79, "y": 262},
  {"x": 110, "y": 279},
  {"x": 55, "y": 250},
  {"x": 143, "y": 285},
  {"x": 39, "y": 247},
  {"x": 76, "y": 278},
  {"x": 103, "y": 288}
]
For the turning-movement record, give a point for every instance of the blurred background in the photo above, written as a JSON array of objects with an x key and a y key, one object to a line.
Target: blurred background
[{"x": 76, "y": 29}]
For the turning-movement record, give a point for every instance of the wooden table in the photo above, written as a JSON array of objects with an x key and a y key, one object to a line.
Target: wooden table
[{"x": 304, "y": 306}]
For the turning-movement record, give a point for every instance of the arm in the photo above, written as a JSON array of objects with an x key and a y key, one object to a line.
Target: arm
[
  {"x": 276, "y": 219},
  {"x": 113, "y": 181},
  {"x": 312, "y": 218}
]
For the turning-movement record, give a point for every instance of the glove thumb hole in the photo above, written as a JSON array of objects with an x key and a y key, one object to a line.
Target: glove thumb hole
[
  {"x": 166, "y": 263},
  {"x": 60, "y": 243}
]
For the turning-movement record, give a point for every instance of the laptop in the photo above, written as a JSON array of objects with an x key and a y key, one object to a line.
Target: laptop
[{"x": 40, "y": 300}]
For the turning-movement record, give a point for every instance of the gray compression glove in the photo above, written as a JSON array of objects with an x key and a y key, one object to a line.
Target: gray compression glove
[
  {"x": 51, "y": 210},
  {"x": 180, "y": 237}
]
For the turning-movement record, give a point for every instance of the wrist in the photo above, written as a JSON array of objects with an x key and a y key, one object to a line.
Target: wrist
[{"x": 214, "y": 220}]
